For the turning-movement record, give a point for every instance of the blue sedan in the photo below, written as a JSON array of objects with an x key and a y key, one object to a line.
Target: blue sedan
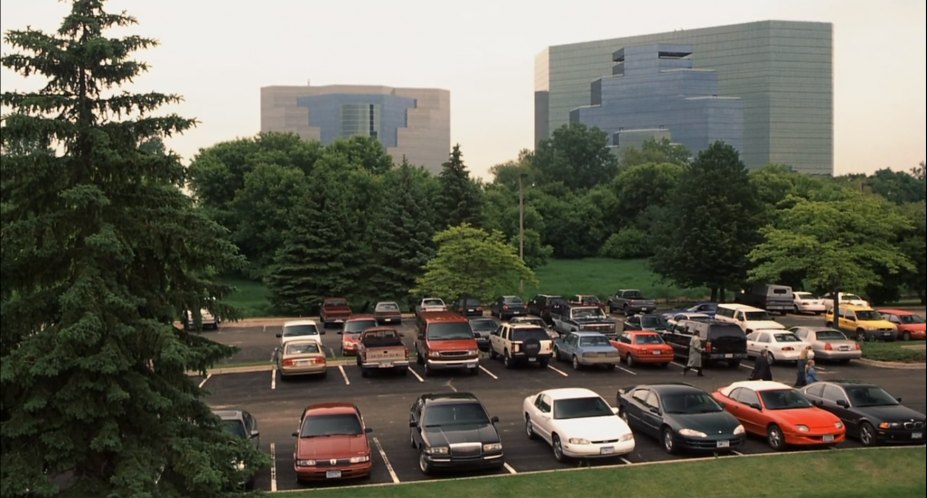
[
  {"x": 707, "y": 308},
  {"x": 584, "y": 348}
]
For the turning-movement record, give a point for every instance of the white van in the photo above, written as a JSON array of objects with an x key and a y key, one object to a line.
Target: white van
[{"x": 747, "y": 317}]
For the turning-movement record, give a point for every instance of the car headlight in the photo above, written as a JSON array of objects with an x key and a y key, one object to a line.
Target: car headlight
[
  {"x": 802, "y": 428},
  {"x": 360, "y": 459},
  {"x": 692, "y": 433},
  {"x": 437, "y": 450},
  {"x": 473, "y": 353},
  {"x": 738, "y": 430},
  {"x": 838, "y": 424},
  {"x": 577, "y": 440},
  {"x": 434, "y": 354},
  {"x": 886, "y": 425},
  {"x": 627, "y": 437},
  {"x": 305, "y": 463},
  {"x": 492, "y": 447}
]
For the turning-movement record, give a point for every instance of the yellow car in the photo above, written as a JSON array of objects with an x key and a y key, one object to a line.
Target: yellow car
[{"x": 863, "y": 323}]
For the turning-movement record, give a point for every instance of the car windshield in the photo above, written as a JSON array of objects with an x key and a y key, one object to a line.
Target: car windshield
[
  {"x": 868, "y": 315},
  {"x": 447, "y": 331},
  {"x": 433, "y": 302},
  {"x": 455, "y": 414},
  {"x": 783, "y": 399},
  {"x": 648, "y": 339},
  {"x": 298, "y": 330},
  {"x": 532, "y": 321},
  {"x": 592, "y": 406},
  {"x": 632, "y": 295},
  {"x": 653, "y": 322},
  {"x": 234, "y": 427},
  {"x": 786, "y": 337},
  {"x": 336, "y": 302},
  {"x": 910, "y": 319},
  {"x": 757, "y": 315},
  {"x": 387, "y": 307},
  {"x": 358, "y": 326},
  {"x": 484, "y": 324},
  {"x": 302, "y": 348},
  {"x": 690, "y": 403},
  {"x": 513, "y": 300},
  {"x": 870, "y": 396},
  {"x": 331, "y": 425},
  {"x": 593, "y": 340},
  {"x": 803, "y": 295},
  {"x": 526, "y": 334},
  {"x": 830, "y": 335},
  {"x": 850, "y": 297},
  {"x": 472, "y": 302},
  {"x": 588, "y": 313}
]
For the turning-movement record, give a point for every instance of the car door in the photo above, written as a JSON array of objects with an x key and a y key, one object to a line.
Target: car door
[
  {"x": 745, "y": 405},
  {"x": 543, "y": 415},
  {"x": 415, "y": 429},
  {"x": 568, "y": 346},
  {"x": 652, "y": 415},
  {"x": 831, "y": 400},
  {"x": 495, "y": 339},
  {"x": 635, "y": 404}
]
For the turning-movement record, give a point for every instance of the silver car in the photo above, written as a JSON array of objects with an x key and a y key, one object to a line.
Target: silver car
[{"x": 828, "y": 343}]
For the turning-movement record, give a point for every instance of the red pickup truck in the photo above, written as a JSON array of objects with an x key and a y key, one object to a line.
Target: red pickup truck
[
  {"x": 334, "y": 310},
  {"x": 382, "y": 348}
]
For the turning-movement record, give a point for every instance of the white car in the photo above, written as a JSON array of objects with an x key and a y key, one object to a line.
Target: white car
[
  {"x": 299, "y": 329},
  {"x": 577, "y": 423},
  {"x": 782, "y": 344},
  {"x": 806, "y": 302},
  {"x": 207, "y": 319},
  {"x": 678, "y": 318},
  {"x": 845, "y": 298}
]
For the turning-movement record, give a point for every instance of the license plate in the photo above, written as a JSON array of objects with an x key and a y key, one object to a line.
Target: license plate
[
  {"x": 387, "y": 320},
  {"x": 828, "y": 438},
  {"x": 724, "y": 444},
  {"x": 728, "y": 355},
  {"x": 917, "y": 435},
  {"x": 606, "y": 450},
  {"x": 332, "y": 474},
  {"x": 844, "y": 348},
  {"x": 387, "y": 364},
  {"x": 303, "y": 363},
  {"x": 532, "y": 359}
]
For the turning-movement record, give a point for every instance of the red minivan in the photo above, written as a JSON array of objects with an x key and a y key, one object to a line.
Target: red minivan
[{"x": 445, "y": 340}]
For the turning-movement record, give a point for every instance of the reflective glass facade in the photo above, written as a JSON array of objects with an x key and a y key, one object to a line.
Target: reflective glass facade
[{"x": 781, "y": 70}]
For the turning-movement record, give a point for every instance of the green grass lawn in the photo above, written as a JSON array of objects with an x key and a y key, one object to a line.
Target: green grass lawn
[
  {"x": 899, "y": 472},
  {"x": 250, "y": 297},
  {"x": 904, "y": 351}
]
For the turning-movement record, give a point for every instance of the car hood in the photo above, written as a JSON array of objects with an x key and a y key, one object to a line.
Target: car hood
[
  {"x": 328, "y": 447},
  {"x": 890, "y": 413},
  {"x": 814, "y": 418},
  {"x": 461, "y": 433},
  {"x": 912, "y": 327},
  {"x": 712, "y": 423},
  {"x": 604, "y": 428},
  {"x": 448, "y": 344}
]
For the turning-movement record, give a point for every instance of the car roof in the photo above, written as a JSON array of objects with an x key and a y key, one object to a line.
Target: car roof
[
  {"x": 587, "y": 333},
  {"x": 755, "y": 385},
  {"x": 668, "y": 388},
  {"x": 895, "y": 311},
  {"x": 229, "y": 414},
  {"x": 642, "y": 332},
  {"x": 333, "y": 408},
  {"x": 439, "y": 398},
  {"x": 570, "y": 393},
  {"x": 292, "y": 323},
  {"x": 856, "y": 307}
]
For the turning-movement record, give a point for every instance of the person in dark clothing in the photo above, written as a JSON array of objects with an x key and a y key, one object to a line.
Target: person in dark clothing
[{"x": 761, "y": 370}]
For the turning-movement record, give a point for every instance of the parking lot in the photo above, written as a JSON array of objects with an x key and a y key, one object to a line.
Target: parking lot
[{"x": 384, "y": 400}]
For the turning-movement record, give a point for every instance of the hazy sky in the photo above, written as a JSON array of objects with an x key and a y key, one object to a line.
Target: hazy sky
[{"x": 218, "y": 54}]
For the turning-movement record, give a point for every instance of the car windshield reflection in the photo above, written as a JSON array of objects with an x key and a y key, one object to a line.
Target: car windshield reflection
[{"x": 581, "y": 408}]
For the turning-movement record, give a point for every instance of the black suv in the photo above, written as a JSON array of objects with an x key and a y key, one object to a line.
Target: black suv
[
  {"x": 453, "y": 431},
  {"x": 468, "y": 307},
  {"x": 540, "y": 305},
  {"x": 721, "y": 341}
]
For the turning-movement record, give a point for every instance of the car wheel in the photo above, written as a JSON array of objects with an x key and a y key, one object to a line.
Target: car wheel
[
  {"x": 610, "y": 366},
  {"x": 772, "y": 359},
  {"x": 423, "y": 464},
  {"x": 507, "y": 360},
  {"x": 419, "y": 358},
  {"x": 575, "y": 362},
  {"x": 625, "y": 310},
  {"x": 906, "y": 336},
  {"x": 629, "y": 360},
  {"x": 624, "y": 416},
  {"x": 529, "y": 429},
  {"x": 427, "y": 369},
  {"x": 411, "y": 440},
  {"x": 867, "y": 434},
  {"x": 557, "y": 354},
  {"x": 364, "y": 372},
  {"x": 544, "y": 363},
  {"x": 668, "y": 443},
  {"x": 861, "y": 335},
  {"x": 558, "y": 448},
  {"x": 796, "y": 310},
  {"x": 775, "y": 438}
]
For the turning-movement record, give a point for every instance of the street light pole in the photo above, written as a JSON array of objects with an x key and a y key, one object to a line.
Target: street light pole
[{"x": 521, "y": 229}]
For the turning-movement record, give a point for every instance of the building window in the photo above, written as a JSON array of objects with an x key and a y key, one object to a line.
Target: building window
[{"x": 360, "y": 120}]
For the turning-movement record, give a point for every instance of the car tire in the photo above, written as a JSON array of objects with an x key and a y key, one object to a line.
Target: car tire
[
  {"x": 576, "y": 364},
  {"x": 544, "y": 362},
  {"x": 557, "y": 446},
  {"x": 867, "y": 434},
  {"x": 624, "y": 416},
  {"x": 492, "y": 353},
  {"x": 411, "y": 440},
  {"x": 557, "y": 354},
  {"x": 775, "y": 438},
  {"x": 529, "y": 429},
  {"x": 423, "y": 464},
  {"x": 625, "y": 310},
  {"x": 428, "y": 370},
  {"x": 507, "y": 360},
  {"x": 771, "y": 359},
  {"x": 669, "y": 444},
  {"x": 906, "y": 336},
  {"x": 610, "y": 366},
  {"x": 629, "y": 360},
  {"x": 474, "y": 370},
  {"x": 862, "y": 336},
  {"x": 734, "y": 363},
  {"x": 364, "y": 372}
]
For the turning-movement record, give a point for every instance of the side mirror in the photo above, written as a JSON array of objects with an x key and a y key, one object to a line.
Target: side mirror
[
  {"x": 295, "y": 434},
  {"x": 412, "y": 423},
  {"x": 494, "y": 419},
  {"x": 843, "y": 403},
  {"x": 255, "y": 434},
  {"x": 755, "y": 406},
  {"x": 279, "y": 335},
  {"x": 654, "y": 410},
  {"x": 615, "y": 409},
  {"x": 368, "y": 430}
]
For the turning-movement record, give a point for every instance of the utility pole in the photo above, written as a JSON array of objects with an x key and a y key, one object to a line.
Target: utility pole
[{"x": 521, "y": 228}]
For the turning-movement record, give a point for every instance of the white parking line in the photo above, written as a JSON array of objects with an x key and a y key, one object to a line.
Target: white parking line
[
  {"x": 273, "y": 378},
  {"x": 389, "y": 467},
  {"x": 509, "y": 468},
  {"x": 625, "y": 460},
  {"x": 273, "y": 468},
  {"x": 626, "y": 370},
  {"x": 345, "y": 375},
  {"x": 736, "y": 452},
  {"x": 555, "y": 369},
  {"x": 204, "y": 380},
  {"x": 748, "y": 367},
  {"x": 417, "y": 376},
  {"x": 488, "y": 373}
]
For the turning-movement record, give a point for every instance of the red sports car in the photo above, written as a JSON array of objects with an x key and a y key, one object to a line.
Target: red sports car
[
  {"x": 910, "y": 326},
  {"x": 331, "y": 443},
  {"x": 643, "y": 346},
  {"x": 780, "y": 414}
]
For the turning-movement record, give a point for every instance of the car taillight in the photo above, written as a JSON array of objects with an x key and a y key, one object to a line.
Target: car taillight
[
  {"x": 856, "y": 345},
  {"x": 828, "y": 347},
  {"x": 788, "y": 348},
  {"x": 707, "y": 346},
  {"x": 288, "y": 363},
  {"x": 505, "y": 306}
]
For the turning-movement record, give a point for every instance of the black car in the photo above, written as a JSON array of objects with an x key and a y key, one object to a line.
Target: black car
[
  {"x": 868, "y": 412},
  {"x": 468, "y": 307},
  {"x": 681, "y": 416},
  {"x": 540, "y": 305},
  {"x": 648, "y": 321},
  {"x": 453, "y": 431},
  {"x": 242, "y": 424},
  {"x": 482, "y": 327},
  {"x": 506, "y": 307}
]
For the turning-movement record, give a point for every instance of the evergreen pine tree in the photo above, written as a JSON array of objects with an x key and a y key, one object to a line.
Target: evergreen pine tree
[{"x": 461, "y": 198}]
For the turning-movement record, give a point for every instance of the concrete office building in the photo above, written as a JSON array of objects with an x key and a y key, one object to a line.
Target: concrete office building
[
  {"x": 781, "y": 70},
  {"x": 414, "y": 123},
  {"x": 655, "y": 92}
]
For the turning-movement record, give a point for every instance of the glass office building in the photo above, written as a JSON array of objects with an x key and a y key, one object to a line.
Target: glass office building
[
  {"x": 411, "y": 123},
  {"x": 782, "y": 71}
]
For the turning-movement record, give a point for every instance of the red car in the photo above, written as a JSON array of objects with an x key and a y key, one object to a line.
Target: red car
[
  {"x": 331, "y": 443},
  {"x": 780, "y": 414},
  {"x": 910, "y": 326},
  {"x": 334, "y": 310},
  {"x": 351, "y": 333},
  {"x": 643, "y": 346}
]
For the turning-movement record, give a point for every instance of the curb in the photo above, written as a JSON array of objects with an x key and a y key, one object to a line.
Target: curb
[{"x": 892, "y": 364}]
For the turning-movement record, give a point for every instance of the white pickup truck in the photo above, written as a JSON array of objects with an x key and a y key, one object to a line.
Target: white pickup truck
[
  {"x": 382, "y": 348},
  {"x": 430, "y": 304}
]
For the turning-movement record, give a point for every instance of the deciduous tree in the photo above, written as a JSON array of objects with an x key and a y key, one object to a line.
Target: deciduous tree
[{"x": 576, "y": 155}]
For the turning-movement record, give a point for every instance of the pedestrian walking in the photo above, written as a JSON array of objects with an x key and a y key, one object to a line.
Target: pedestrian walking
[
  {"x": 803, "y": 358},
  {"x": 761, "y": 370},
  {"x": 811, "y": 374},
  {"x": 695, "y": 356}
]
